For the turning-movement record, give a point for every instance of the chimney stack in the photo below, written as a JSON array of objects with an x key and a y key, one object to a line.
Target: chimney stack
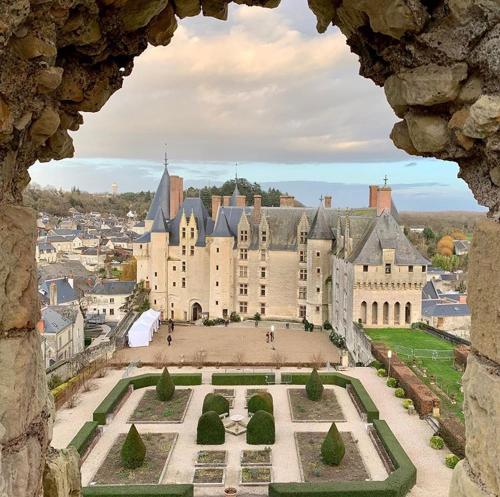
[
  {"x": 216, "y": 201},
  {"x": 53, "y": 293},
  {"x": 176, "y": 194},
  {"x": 226, "y": 200},
  {"x": 287, "y": 200},
  {"x": 372, "y": 202},
  {"x": 384, "y": 199},
  {"x": 328, "y": 201},
  {"x": 257, "y": 208},
  {"x": 40, "y": 326},
  {"x": 241, "y": 201}
]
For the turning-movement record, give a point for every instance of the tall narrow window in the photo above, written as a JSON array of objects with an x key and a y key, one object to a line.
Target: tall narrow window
[
  {"x": 263, "y": 309},
  {"x": 191, "y": 250},
  {"x": 262, "y": 272},
  {"x": 243, "y": 236},
  {"x": 183, "y": 232},
  {"x": 303, "y": 237},
  {"x": 303, "y": 275},
  {"x": 192, "y": 233},
  {"x": 388, "y": 269},
  {"x": 183, "y": 282},
  {"x": 263, "y": 236},
  {"x": 243, "y": 254},
  {"x": 262, "y": 290}
]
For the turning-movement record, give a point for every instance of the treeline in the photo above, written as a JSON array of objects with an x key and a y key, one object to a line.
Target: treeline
[
  {"x": 270, "y": 197},
  {"x": 57, "y": 202},
  {"x": 443, "y": 222}
]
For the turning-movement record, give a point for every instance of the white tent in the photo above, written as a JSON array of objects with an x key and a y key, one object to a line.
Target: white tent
[{"x": 141, "y": 332}]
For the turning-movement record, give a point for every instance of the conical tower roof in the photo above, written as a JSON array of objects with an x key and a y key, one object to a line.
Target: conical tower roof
[
  {"x": 320, "y": 229},
  {"x": 222, "y": 226},
  {"x": 161, "y": 200},
  {"x": 159, "y": 223},
  {"x": 234, "y": 197}
]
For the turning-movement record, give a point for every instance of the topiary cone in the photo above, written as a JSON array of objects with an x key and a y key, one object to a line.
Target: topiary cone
[
  {"x": 165, "y": 387},
  {"x": 314, "y": 386},
  {"x": 332, "y": 448},
  {"x": 133, "y": 450}
]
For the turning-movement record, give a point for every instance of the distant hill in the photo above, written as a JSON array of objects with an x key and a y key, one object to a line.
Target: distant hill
[{"x": 443, "y": 221}]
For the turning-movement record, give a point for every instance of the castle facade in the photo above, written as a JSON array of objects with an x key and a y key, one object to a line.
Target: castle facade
[{"x": 283, "y": 262}]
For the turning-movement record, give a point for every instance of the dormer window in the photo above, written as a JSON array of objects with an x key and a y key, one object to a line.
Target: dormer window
[
  {"x": 303, "y": 237},
  {"x": 410, "y": 269},
  {"x": 183, "y": 232},
  {"x": 388, "y": 269},
  {"x": 192, "y": 233},
  {"x": 263, "y": 236},
  {"x": 243, "y": 236}
]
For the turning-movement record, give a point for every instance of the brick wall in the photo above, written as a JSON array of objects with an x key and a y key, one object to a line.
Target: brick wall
[{"x": 423, "y": 397}]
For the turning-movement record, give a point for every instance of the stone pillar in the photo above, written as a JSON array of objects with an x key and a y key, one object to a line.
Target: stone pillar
[
  {"x": 26, "y": 408},
  {"x": 478, "y": 475}
]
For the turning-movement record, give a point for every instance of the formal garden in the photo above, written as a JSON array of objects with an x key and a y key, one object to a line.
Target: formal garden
[{"x": 281, "y": 434}]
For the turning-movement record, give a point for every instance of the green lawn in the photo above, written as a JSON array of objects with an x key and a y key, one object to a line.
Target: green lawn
[{"x": 447, "y": 377}]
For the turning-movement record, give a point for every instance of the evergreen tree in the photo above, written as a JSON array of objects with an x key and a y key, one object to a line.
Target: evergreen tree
[
  {"x": 133, "y": 450},
  {"x": 314, "y": 386},
  {"x": 333, "y": 448},
  {"x": 165, "y": 387}
]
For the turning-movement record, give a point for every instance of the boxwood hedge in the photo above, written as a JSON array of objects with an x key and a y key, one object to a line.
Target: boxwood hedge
[
  {"x": 82, "y": 440},
  {"x": 114, "y": 397},
  {"x": 178, "y": 490},
  {"x": 241, "y": 378},
  {"x": 341, "y": 380},
  {"x": 397, "y": 484}
]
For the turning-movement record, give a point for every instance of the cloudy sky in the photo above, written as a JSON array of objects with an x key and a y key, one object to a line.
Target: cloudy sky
[{"x": 264, "y": 90}]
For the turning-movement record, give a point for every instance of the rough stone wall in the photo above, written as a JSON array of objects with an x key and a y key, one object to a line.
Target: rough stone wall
[{"x": 438, "y": 60}]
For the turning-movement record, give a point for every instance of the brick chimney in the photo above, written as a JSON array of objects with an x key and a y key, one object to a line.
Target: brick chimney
[
  {"x": 372, "y": 201},
  {"x": 257, "y": 208},
  {"x": 216, "y": 201},
  {"x": 226, "y": 200},
  {"x": 287, "y": 200},
  {"x": 241, "y": 201},
  {"x": 384, "y": 199},
  {"x": 176, "y": 194},
  {"x": 53, "y": 293},
  {"x": 462, "y": 299},
  {"x": 328, "y": 201},
  {"x": 40, "y": 326}
]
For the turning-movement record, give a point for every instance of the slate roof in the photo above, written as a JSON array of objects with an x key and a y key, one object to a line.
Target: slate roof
[
  {"x": 65, "y": 292},
  {"x": 385, "y": 233},
  {"x": 233, "y": 202},
  {"x": 430, "y": 291},
  {"x": 161, "y": 199},
  {"x": 159, "y": 223},
  {"x": 45, "y": 247},
  {"x": 320, "y": 230},
  {"x": 440, "y": 309},
  {"x": 145, "y": 238},
  {"x": 204, "y": 223},
  {"x": 113, "y": 288},
  {"x": 222, "y": 227},
  {"x": 54, "y": 321}
]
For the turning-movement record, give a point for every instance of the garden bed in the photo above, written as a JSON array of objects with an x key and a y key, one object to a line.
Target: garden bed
[
  {"x": 252, "y": 391},
  {"x": 153, "y": 410},
  {"x": 211, "y": 458},
  {"x": 303, "y": 409},
  {"x": 209, "y": 476},
  {"x": 314, "y": 470},
  {"x": 225, "y": 392},
  {"x": 256, "y": 457},
  {"x": 256, "y": 475},
  {"x": 158, "y": 449}
]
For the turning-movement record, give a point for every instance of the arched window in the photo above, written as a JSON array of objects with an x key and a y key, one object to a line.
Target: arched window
[
  {"x": 385, "y": 313},
  {"x": 408, "y": 313},
  {"x": 363, "y": 312},
  {"x": 374, "y": 313},
  {"x": 397, "y": 312}
]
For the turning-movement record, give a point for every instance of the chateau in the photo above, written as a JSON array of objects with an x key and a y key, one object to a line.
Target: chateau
[{"x": 283, "y": 262}]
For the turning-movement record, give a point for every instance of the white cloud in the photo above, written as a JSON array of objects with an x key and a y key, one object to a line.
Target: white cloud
[{"x": 258, "y": 89}]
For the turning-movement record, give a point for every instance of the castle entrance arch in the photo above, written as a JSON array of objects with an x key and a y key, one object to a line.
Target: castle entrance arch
[{"x": 196, "y": 311}]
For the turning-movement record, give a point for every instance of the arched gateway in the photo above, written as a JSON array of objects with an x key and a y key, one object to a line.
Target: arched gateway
[{"x": 196, "y": 311}]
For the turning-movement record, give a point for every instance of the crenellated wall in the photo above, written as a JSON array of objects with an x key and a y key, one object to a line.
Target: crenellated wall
[{"x": 439, "y": 64}]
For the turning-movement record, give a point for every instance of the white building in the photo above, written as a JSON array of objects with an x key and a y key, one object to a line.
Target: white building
[{"x": 110, "y": 298}]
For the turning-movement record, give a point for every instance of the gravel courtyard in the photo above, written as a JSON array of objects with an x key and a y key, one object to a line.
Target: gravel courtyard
[{"x": 235, "y": 344}]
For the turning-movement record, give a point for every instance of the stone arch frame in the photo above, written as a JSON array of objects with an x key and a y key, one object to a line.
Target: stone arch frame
[
  {"x": 385, "y": 313},
  {"x": 364, "y": 312},
  {"x": 397, "y": 313},
  {"x": 50, "y": 74},
  {"x": 408, "y": 310},
  {"x": 374, "y": 319}
]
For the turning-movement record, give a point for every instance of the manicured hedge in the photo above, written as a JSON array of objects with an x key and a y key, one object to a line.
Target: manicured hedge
[
  {"x": 397, "y": 484},
  {"x": 241, "y": 378},
  {"x": 261, "y": 402},
  {"x": 215, "y": 402},
  {"x": 139, "y": 491},
  {"x": 145, "y": 380},
  {"x": 111, "y": 400},
  {"x": 84, "y": 437},
  {"x": 342, "y": 380},
  {"x": 210, "y": 430}
]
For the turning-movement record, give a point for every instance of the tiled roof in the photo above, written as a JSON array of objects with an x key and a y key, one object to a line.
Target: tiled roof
[{"x": 113, "y": 288}]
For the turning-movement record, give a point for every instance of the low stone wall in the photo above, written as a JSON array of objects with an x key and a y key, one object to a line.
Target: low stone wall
[
  {"x": 423, "y": 397},
  {"x": 460, "y": 354}
]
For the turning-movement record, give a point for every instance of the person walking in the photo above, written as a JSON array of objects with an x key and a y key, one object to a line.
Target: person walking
[
  {"x": 169, "y": 340},
  {"x": 267, "y": 337},
  {"x": 272, "y": 336}
]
